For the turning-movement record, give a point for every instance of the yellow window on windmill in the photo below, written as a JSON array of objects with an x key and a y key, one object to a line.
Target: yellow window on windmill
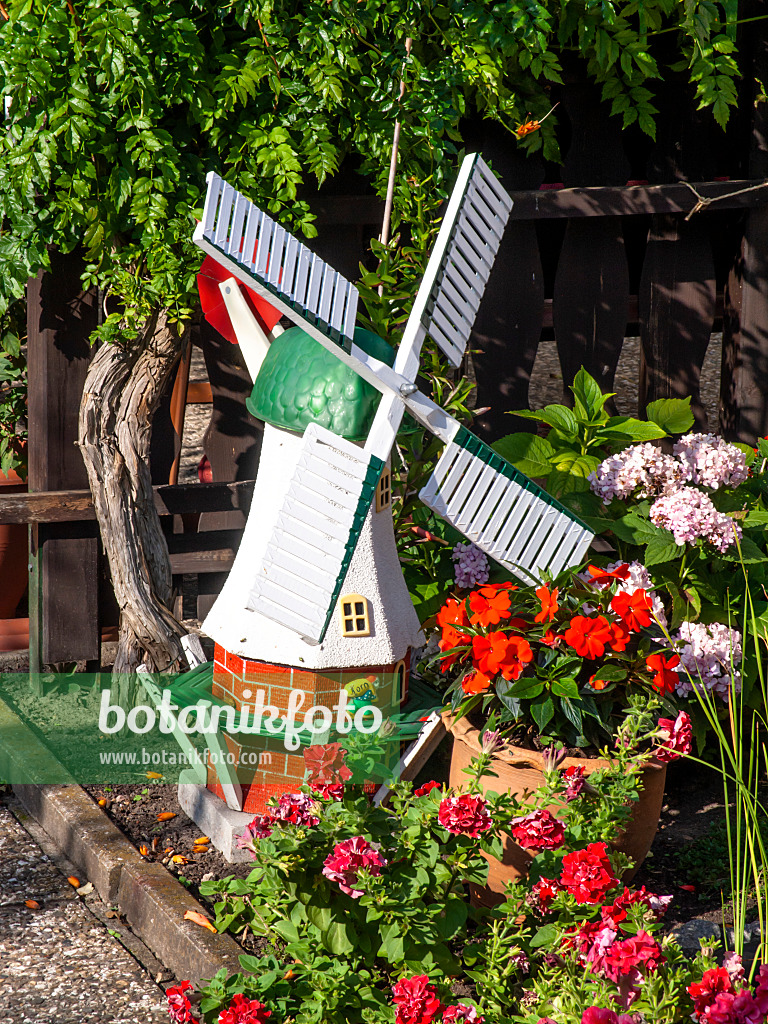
[
  {"x": 355, "y": 616},
  {"x": 384, "y": 490}
]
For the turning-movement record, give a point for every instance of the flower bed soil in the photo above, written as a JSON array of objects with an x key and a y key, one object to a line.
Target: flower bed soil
[{"x": 693, "y": 804}]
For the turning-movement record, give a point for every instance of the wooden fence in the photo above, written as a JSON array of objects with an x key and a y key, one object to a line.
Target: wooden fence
[{"x": 664, "y": 239}]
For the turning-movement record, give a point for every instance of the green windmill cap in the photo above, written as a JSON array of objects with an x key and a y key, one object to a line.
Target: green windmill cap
[{"x": 300, "y": 382}]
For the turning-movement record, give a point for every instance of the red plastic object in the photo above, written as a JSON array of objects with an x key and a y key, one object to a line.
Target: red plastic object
[{"x": 210, "y": 275}]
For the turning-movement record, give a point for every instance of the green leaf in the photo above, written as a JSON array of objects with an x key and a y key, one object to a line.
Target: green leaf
[
  {"x": 561, "y": 418},
  {"x": 526, "y": 689},
  {"x": 542, "y": 711},
  {"x": 565, "y": 687},
  {"x": 611, "y": 673},
  {"x": 546, "y": 936},
  {"x": 662, "y": 550},
  {"x": 529, "y": 453},
  {"x": 672, "y": 414},
  {"x": 336, "y": 939},
  {"x": 587, "y": 391},
  {"x": 628, "y": 430},
  {"x": 286, "y": 930},
  {"x": 320, "y": 917},
  {"x": 392, "y": 945}
]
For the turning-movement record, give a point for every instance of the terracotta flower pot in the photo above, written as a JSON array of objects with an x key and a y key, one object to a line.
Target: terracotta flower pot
[
  {"x": 520, "y": 770},
  {"x": 13, "y": 553}
]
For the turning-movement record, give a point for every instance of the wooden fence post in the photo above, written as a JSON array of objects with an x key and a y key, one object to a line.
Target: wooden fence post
[
  {"x": 63, "y": 586},
  {"x": 744, "y": 379}
]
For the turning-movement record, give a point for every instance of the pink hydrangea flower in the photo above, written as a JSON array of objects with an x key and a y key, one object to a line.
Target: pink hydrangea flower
[
  {"x": 472, "y": 567},
  {"x": 348, "y": 859},
  {"x": 690, "y": 515},
  {"x": 708, "y": 655},
  {"x": 464, "y": 814},
  {"x": 710, "y": 461},
  {"x": 642, "y": 470},
  {"x": 677, "y": 738},
  {"x": 538, "y": 830}
]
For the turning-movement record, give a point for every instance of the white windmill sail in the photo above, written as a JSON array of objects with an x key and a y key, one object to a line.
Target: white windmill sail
[{"x": 299, "y": 580}]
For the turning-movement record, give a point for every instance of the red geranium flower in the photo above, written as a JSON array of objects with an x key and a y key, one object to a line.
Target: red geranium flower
[
  {"x": 416, "y": 1000},
  {"x": 601, "y": 1015},
  {"x": 426, "y": 788},
  {"x": 589, "y": 636},
  {"x": 348, "y": 859},
  {"x": 664, "y": 679},
  {"x": 244, "y": 1011},
  {"x": 621, "y": 572},
  {"x": 326, "y": 763},
  {"x": 639, "y": 953},
  {"x": 464, "y": 815},
  {"x": 538, "y": 830},
  {"x": 549, "y": 604},
  {"x": 489, "y": 606},
  {"x": 575, "y": 777},
  {"x": 328, "y": 790},
  {"x": 677, "y": 737},
  {"x": 544, "y": 891},
  {"x": 179, "y": 1007},
  {"x": 499, "y": 653},
  {"x": 587, "y": 874},
  {"x": 704, "y": 992},
  {"x": 634, "y": 609}
]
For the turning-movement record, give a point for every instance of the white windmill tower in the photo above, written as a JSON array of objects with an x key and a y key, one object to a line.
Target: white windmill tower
[{"x": 313, "y": 507}]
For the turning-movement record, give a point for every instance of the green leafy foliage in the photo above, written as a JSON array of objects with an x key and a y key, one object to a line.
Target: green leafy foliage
[{"x": 578, "y": 439}]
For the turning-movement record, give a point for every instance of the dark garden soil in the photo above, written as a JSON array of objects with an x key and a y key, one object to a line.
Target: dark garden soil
[{"x": 688, "y": 860}]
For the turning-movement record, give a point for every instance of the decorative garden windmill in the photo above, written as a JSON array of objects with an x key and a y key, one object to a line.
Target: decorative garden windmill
[
  {"x": 484, "y": 497},
  {"x": 314, "y": 528}
]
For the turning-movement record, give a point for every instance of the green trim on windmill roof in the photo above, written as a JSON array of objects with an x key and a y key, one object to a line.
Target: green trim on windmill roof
[{"x": 300, "y": 382}]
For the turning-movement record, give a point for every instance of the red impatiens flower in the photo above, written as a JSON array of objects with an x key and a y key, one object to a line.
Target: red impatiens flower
[
  {"x": 549, "y": 604},
  {"x": 348, "y": 859},
  {"x": 452, "y": 619},
  {"x": 416, "y": 1000},
  {"x": 664, "y": 678},
  {"x": 497, "y": 653},
  {"x": 426, "y": 788},
  {"x": 600, "y": 576},
  {"x": 464, "y": 815},
  {"x": 619, "y": 636},
  {"x": 538, "y": 830},
  {"x": 587, "y": 874},
  {"x": 489, "y": 605},
  {"x": 476, "y": 682},
  {"x": 634, "y": 609},
  {"x": 589, "y": 636},
  {"x": 677, "y": 737},
  {"x": 244, "y": 1011},
  {"x": 179, "y": 1007},
  {"x": 704, "y": 992}
]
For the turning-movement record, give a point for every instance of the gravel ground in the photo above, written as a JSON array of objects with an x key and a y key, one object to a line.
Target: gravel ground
[{"x": 58, "y": 963}]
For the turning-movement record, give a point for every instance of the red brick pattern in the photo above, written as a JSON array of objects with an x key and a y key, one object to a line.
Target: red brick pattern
[{"x": 236, "y": 682}]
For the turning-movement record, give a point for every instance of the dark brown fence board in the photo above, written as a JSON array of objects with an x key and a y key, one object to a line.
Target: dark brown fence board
[{"x": 64, "y": 622}]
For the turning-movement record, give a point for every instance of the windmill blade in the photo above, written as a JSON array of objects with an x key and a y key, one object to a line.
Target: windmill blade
[
  {"x": 449, "y": 296},
  {"x": 300, "y": 578},
  {"x": 276, "y": 265},
  {"x": 503, "y": 512}
]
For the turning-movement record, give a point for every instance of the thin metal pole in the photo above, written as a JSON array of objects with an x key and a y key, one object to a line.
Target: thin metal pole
[{"x": 393, "y": 162}]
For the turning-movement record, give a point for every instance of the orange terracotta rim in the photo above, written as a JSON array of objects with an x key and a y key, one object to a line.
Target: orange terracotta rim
[{"x": 520, "y": 758}]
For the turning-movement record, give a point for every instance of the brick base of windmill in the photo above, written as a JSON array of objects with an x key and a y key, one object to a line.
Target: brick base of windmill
[{"x": 265, "y": 768}]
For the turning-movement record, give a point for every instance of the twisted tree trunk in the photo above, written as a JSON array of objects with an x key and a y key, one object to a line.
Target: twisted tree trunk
[{"x": 121, "y": 393}]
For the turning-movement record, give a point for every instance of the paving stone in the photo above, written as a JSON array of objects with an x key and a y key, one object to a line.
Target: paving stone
[
  {"x": 25, "y": 872},
  {"x": 59, "y": 964}
]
